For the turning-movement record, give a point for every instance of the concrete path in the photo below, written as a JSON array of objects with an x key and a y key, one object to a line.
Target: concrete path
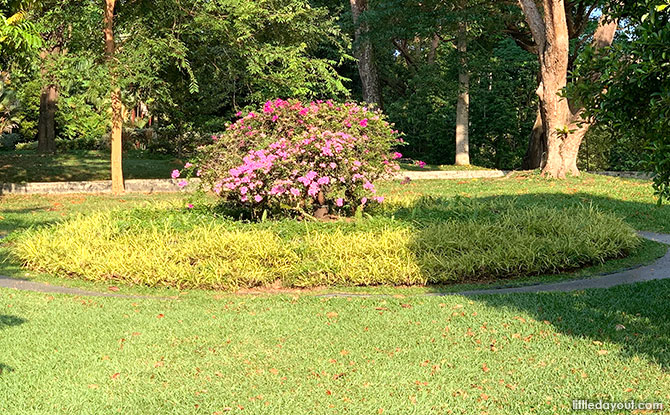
[
  {"x": 41, "y": 287},
  {"x": 657, "y": 271}
]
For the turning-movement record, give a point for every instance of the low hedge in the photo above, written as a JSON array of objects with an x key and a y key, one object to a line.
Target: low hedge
[{"x": 427, "y": 244}]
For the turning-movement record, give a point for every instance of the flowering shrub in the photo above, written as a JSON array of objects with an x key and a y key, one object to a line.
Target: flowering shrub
[{"x": 299, "y": 156}]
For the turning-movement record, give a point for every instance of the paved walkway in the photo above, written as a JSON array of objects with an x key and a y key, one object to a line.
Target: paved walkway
[{"x": 657, "y": 271}]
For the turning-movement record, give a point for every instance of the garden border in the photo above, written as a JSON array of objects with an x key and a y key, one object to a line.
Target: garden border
[
  {"x": 171, "y": 185},
  {"x": 659, "y": 270}
]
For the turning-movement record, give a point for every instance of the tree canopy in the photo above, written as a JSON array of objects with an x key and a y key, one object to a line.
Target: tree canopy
[{"x": 439, "y": 69}]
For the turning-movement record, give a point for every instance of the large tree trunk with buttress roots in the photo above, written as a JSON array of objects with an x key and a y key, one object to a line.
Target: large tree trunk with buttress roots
[{"x": 564, "y": 127}]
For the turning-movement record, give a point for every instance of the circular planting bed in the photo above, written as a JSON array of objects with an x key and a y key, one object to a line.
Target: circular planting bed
[{"x": 411, "y": 242}]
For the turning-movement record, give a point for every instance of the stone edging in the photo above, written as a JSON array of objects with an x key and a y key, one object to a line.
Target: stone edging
[
  {"x": 626, "y": 174},
  {"x": 170, "y": 185},
  {"x": 101, "y": 186}
]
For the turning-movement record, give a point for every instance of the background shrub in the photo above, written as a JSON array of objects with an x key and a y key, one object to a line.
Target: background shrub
[
  {"x": 418, "y": 242},
  {"x": 291, "y": 155}
]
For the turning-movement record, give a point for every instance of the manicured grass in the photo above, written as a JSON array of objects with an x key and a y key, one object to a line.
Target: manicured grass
[
  {"x": 30, "y": 166},
  {"x": 630, "y": 199},
  {"x": 303, "y": 354}
]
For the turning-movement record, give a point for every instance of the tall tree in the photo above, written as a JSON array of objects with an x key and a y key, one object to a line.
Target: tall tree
[
  {"x": 46, "y": 125},
  {"x": 463, "y": 102},
  {"x": 117, "y": 104},
  {"x": 564, "y": 125},
  {"x": 364, "y": 52}
]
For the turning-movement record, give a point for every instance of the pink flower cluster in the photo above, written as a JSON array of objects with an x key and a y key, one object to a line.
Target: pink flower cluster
[
  {"x": 301, "y": 154},
  {"x": 288, "y": 171}
]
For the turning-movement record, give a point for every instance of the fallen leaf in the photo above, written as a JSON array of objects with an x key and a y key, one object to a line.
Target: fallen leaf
[
  {"x": 113, "y": 288},
  {"x": 485, "y": 367},
  {"x": 160, "y": 316},
  {"x": 331, "y": 314},
  {"x": 602, "y": 352},
  {"x": 115, "y": 375}
]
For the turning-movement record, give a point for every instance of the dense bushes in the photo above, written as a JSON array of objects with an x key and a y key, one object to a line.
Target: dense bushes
[
  {"x": 414, "y": 242},
  {"x": 295, "y": 156}
]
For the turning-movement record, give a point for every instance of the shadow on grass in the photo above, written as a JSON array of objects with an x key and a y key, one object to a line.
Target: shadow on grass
[
  {"x": 635, "y": 317},
  {"x": 80, "y": 165},
  {"x": 640, "y": 215},
  {"x": 5, "y": 322},
  {"x": 24, "y": 218}
]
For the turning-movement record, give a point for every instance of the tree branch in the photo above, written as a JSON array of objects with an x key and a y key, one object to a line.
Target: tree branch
[
  {"x": 403, "y": 51},
  {"x": 535, "y": 22}
]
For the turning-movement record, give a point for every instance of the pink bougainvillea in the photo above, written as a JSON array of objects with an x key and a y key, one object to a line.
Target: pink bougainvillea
[{"x": 295, "y": 155}]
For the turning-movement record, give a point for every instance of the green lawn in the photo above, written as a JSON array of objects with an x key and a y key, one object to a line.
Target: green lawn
[
  {"x": 207, "y": 352},
  {"x": 30, "y": 166}
]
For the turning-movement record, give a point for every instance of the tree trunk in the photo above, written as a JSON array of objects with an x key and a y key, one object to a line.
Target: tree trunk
[
  {"x": 564, "y": 127},
  {"x": 46, "y": 125},
  {"x": 117, "y": 105},
  {"x": 463, "y": 103},
  {"x": 537, "y": 146},
  {"x": 367, "y": 69},
  {"x": 432, "y": 53}
]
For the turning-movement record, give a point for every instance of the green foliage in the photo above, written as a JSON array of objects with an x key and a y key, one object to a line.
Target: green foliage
[
  {"x": 419, "y": 64},
  {"x": 189, "y": 64},
  {"x": 8, "y": 106},
  {"x": 630, "y": 84},
  {"x": 428, "y": 242},
  {"x": 503, "y": 104},
  {"x": 604, "y": 148},
  {"x": 19, "y": 38},
  {"x": 223, "y": 56}
]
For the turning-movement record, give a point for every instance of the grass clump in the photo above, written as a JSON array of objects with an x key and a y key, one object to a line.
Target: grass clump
[{"x": 413, "y": 243}]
